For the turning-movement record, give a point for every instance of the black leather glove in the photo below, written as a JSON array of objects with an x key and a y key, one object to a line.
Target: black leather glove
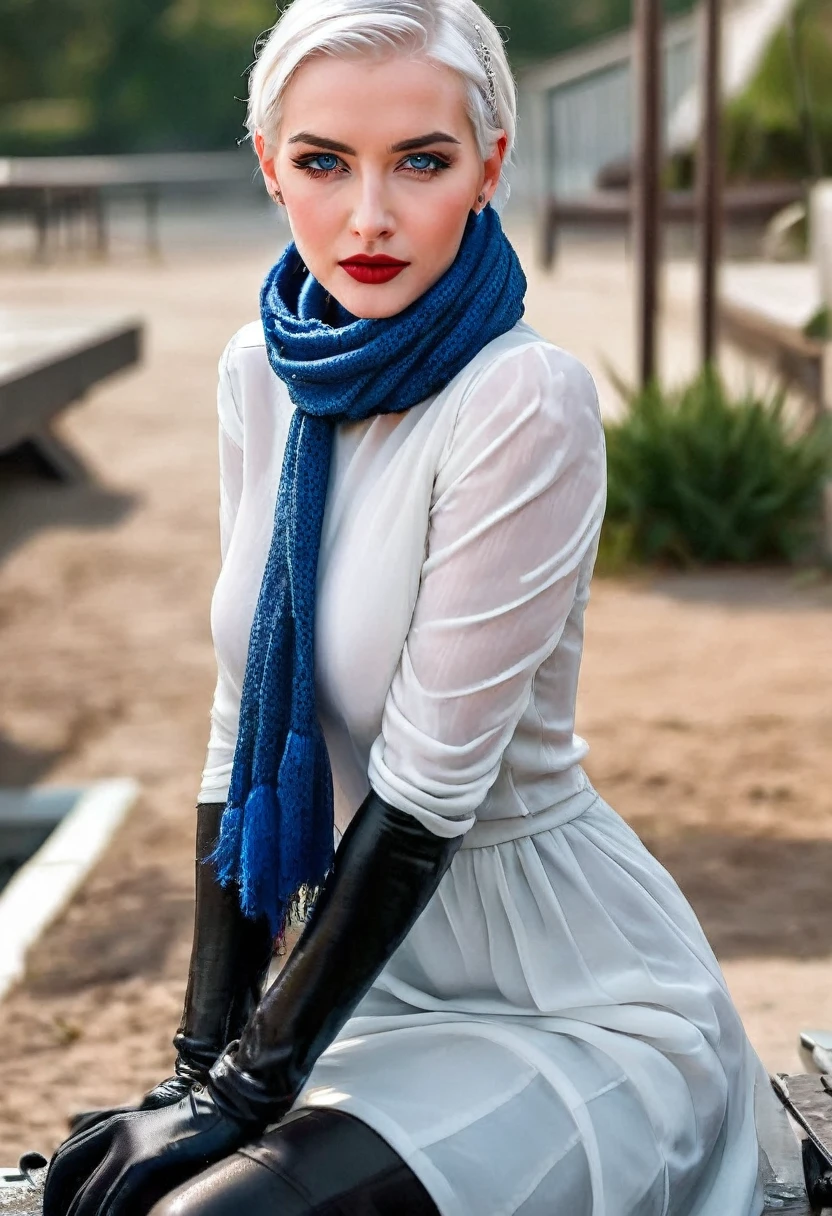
[
  {"x": 126, "y": 1163},
  {"x": 166, "y": 1093},
  {"x": 386, "y": 869},
  {"x": 230, "y": 958}
]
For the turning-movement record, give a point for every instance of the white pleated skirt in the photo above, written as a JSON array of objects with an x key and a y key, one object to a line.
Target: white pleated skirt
[{"x": 555, "y": 1037}]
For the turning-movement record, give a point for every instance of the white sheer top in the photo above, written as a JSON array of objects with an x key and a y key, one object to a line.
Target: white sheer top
[{"x": 454, "y": 570}]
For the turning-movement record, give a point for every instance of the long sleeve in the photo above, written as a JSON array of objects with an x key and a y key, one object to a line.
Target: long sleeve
[
  {"x": 231, "y": 487},
  {"x": 225, "y": 709},
  {"x": 517, "y": 505}
]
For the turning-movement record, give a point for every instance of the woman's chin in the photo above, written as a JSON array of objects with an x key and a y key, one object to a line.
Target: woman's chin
[{"x": 374, "y": 301}]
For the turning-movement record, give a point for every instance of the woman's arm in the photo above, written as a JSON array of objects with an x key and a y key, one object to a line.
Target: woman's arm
[
  {"x": 230, "y": 450},
  {"x": 518, "y": 503},
  {"x": 225, "y": 706}
]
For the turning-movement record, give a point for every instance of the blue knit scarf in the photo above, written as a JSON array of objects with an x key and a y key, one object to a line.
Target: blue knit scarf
[{"x": 276, "y": 839}]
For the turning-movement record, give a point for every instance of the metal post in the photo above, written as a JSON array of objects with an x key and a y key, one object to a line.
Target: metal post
[
  {"x": 99, "y": 210},
  {"x": 151, "y": 204},
  {"x": 647, "y": 196},
  {"x": 709, "y": 179},
  {"x": 41, "y": 210}
]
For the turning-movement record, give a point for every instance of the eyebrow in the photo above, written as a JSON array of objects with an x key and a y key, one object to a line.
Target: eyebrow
[
  {"x": 421, "y": 141},
  {"x": 406, "y": 145}
]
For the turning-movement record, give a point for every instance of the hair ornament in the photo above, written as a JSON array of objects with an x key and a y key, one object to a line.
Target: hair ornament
[{"x": 484, "y": 55}]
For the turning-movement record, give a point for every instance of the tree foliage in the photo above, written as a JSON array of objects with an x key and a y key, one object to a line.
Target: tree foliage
[
  {"x": 139, "y": 75},
  {"x": 112, "y": 75},
  {"x": 535, "y": 29},
  {"x": 781, "y": 125}
]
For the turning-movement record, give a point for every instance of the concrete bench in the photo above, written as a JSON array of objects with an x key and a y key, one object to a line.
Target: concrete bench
[
  {"x": 48, "y": 360},
  {"x": 781, "y": 1164}
]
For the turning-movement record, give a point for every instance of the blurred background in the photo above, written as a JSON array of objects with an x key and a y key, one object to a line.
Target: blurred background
[
  {"x": 134, "y": 236},
  {"x": 87, "y": 76}
]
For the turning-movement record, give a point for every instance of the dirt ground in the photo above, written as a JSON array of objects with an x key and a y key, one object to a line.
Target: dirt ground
[{"x": 707, "y": 701}]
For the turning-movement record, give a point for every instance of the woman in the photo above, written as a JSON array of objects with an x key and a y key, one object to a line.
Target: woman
[{"x": 500, "y": 1002}]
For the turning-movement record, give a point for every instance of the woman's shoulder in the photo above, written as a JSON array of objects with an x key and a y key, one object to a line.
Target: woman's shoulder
[
  {"x": 522, "y": 371},
  {"x": 245, "y": 352},
  {"x": 245, "y": 377},
  {"x": 528, "y": 411},
  {"x": 526, "y": 352}
]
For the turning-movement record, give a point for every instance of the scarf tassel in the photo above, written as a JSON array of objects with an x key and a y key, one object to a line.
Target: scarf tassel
[
  {"x": 225, "y": 858},
  {"x": 263, "y": 852},
  {"x": 257, "y": 873}
]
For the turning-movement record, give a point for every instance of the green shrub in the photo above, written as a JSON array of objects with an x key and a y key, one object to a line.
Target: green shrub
[
  {"x": 820, "y": 325},
  {"x": 696, "y": 477}
]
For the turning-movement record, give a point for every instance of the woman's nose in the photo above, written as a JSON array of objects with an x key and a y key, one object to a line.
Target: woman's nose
[{"x": 371, "y": 217}]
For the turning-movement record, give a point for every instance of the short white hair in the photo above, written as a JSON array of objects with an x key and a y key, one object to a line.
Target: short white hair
[{"x": 442, "y": 31}]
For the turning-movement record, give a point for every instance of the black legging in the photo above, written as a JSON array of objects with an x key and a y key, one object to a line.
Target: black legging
[{"x": 316, "y": 1163}]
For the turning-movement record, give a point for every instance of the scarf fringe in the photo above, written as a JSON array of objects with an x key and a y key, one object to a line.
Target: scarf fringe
[
  {"x": 263, "y": 866},
  {"x": 258, "y": 881},
  {"x": 226, "y": 855}
]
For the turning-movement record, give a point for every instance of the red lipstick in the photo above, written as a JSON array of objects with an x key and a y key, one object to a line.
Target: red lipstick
[{"x": 373, "y": 268}]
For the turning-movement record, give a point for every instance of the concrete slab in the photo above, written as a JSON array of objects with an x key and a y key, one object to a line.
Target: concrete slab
[
  {"x": 44, "y": 885},
  {"x": 49, "y": 358}
]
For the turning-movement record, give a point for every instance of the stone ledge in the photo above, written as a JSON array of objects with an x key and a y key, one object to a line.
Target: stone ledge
[{"x": 43, "y": 886}]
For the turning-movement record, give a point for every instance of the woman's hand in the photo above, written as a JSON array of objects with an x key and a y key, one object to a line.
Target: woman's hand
[
  {"x": 166, "y": 1093},
  {"x": 130, "y": 1160}
]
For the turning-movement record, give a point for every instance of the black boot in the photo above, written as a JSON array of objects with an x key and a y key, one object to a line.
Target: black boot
[{"x": 230, "y": 959}]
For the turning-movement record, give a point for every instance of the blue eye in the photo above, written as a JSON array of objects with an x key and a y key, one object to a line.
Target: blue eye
[
  {"x": 425, "y": 164},
  {"x": 421, "y": 160},
  {"x": 325, "y": 161}
]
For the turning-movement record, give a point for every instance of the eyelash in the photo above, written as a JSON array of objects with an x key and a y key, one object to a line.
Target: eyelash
[{"x": 305, "y": 163}]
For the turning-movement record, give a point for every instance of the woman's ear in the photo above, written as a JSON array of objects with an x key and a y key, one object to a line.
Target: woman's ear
[
  {"x": 266, "y": 160},
  {"x": 493, "y": 167}
]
